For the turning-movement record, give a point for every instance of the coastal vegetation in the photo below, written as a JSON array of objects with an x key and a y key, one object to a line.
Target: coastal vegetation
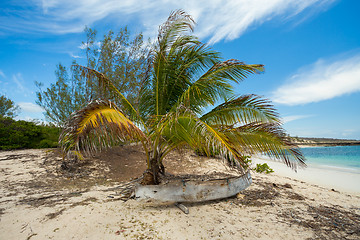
[
  {"x": 260, "y": 168},
  {"x": 263, "y": 168},
  {"x": 183, "y": 81},
  {"x": 19, "y": 134}
]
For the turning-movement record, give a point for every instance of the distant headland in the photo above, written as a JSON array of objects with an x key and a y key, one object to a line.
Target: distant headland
[{"x": 306, "y": 141}]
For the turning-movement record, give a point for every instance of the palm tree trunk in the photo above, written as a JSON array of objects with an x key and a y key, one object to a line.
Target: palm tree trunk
[
  {"x": 152, "y": 174},
  {"x": 155, "y": 169}
]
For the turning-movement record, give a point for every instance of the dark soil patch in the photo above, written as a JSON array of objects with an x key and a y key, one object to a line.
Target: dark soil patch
[
  {"x": 124, "y": 162},
  {"x": 118, "y": 164}
]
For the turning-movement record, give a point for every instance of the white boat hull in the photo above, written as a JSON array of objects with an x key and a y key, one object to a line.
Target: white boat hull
[{"x": 194, "y": 191}]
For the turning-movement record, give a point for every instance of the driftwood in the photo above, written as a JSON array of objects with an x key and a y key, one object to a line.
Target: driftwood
[
  {"x": 182, "y": 208},
  {"x": 194, "y": 191}
]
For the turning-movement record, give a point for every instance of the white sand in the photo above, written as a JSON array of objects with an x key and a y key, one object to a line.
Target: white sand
[
  {"x": 328, "y": 177},
  {"x": 93, "y": 215}
]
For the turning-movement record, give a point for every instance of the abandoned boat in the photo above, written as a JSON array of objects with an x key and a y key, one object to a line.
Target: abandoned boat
[{"x": 194, "y": 191}]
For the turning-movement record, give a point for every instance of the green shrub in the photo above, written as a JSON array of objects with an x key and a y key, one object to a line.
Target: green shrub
[
  {"x": 260, "y": 168},
  {"x": 22, "y": 134},
  {"x": 46, "y": 143}
]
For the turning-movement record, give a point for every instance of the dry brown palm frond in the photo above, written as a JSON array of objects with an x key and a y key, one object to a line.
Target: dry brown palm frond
[{"x": 99, "y": 125}]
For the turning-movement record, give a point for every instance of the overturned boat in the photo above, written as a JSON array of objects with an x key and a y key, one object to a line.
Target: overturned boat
[{"x": 194, "y": 190}]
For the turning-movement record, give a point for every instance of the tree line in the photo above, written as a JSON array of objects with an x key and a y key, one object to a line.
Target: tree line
[{"x": 20, "y": 134}]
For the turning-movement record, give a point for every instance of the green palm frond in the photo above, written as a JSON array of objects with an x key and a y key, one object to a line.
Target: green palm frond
[
  {"x": 265, "y": 138},
  {"x": 182, "y": 127},
  {"x": 177, "y": 23},
  {"x": 243, "y": 109},
  {"x": 233, "y": 70},
  {"x": 215, "y": 84},
  {"x": 176, "y": 59},
  {"x": 99, "y": 125},
  {"x": 177, "y": 73}
]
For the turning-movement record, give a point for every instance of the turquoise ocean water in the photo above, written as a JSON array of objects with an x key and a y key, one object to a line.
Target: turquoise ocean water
[{"x": 343, "y": 158}]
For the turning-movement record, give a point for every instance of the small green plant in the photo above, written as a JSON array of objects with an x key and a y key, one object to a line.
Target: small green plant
[
  {"x": 247, "y": 162},
  {"x": 260, "y": 168}
]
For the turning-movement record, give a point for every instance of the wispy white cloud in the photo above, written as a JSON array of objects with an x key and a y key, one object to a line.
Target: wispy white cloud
[
  {"x": 217, "y": 20},
  {"x": 2, "y": 74},
  {"x": 321, "y": 81},
  {"x": 74, "y": 56},
  {"x": 30, "y": 107},
  {"x": 291, "y": 118},
  {"x": 350, "y": 132},
  {"x": 230, "y": 19},
  {"x": 18, "y": 79}
]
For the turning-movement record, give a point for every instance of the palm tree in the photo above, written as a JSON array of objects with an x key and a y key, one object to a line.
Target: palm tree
[{"x": 185, "y": 78}]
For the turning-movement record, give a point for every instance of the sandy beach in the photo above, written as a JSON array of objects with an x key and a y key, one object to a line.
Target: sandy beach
[
  {"x": 344, "y": 180},
  {"x": 42, "y": 200}
]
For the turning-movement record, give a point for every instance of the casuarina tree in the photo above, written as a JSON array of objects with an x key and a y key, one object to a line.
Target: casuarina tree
[{"x": 8, "y": 107}]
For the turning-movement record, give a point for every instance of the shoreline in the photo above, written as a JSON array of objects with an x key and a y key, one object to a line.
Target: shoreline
[{"x": 327, "y": 177}]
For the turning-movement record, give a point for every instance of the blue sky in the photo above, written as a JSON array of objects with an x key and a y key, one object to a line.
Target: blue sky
[{"x": 310, "y": 49}]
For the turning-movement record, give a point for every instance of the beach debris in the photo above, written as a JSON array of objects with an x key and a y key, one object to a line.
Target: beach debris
[
  {"x": 327, "y": 222},
  {"x": 127, "y": 190},
  {"x": 295, "y": 196},
  {"x": 28, "y": 226},
  {"x": 240, "y": 196},
  {"x": 55, "y": 214},
  {"x": 119, "y": 231},
  {"x": 182, "y": 207},
  {"x": 286, "y": 185}
]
